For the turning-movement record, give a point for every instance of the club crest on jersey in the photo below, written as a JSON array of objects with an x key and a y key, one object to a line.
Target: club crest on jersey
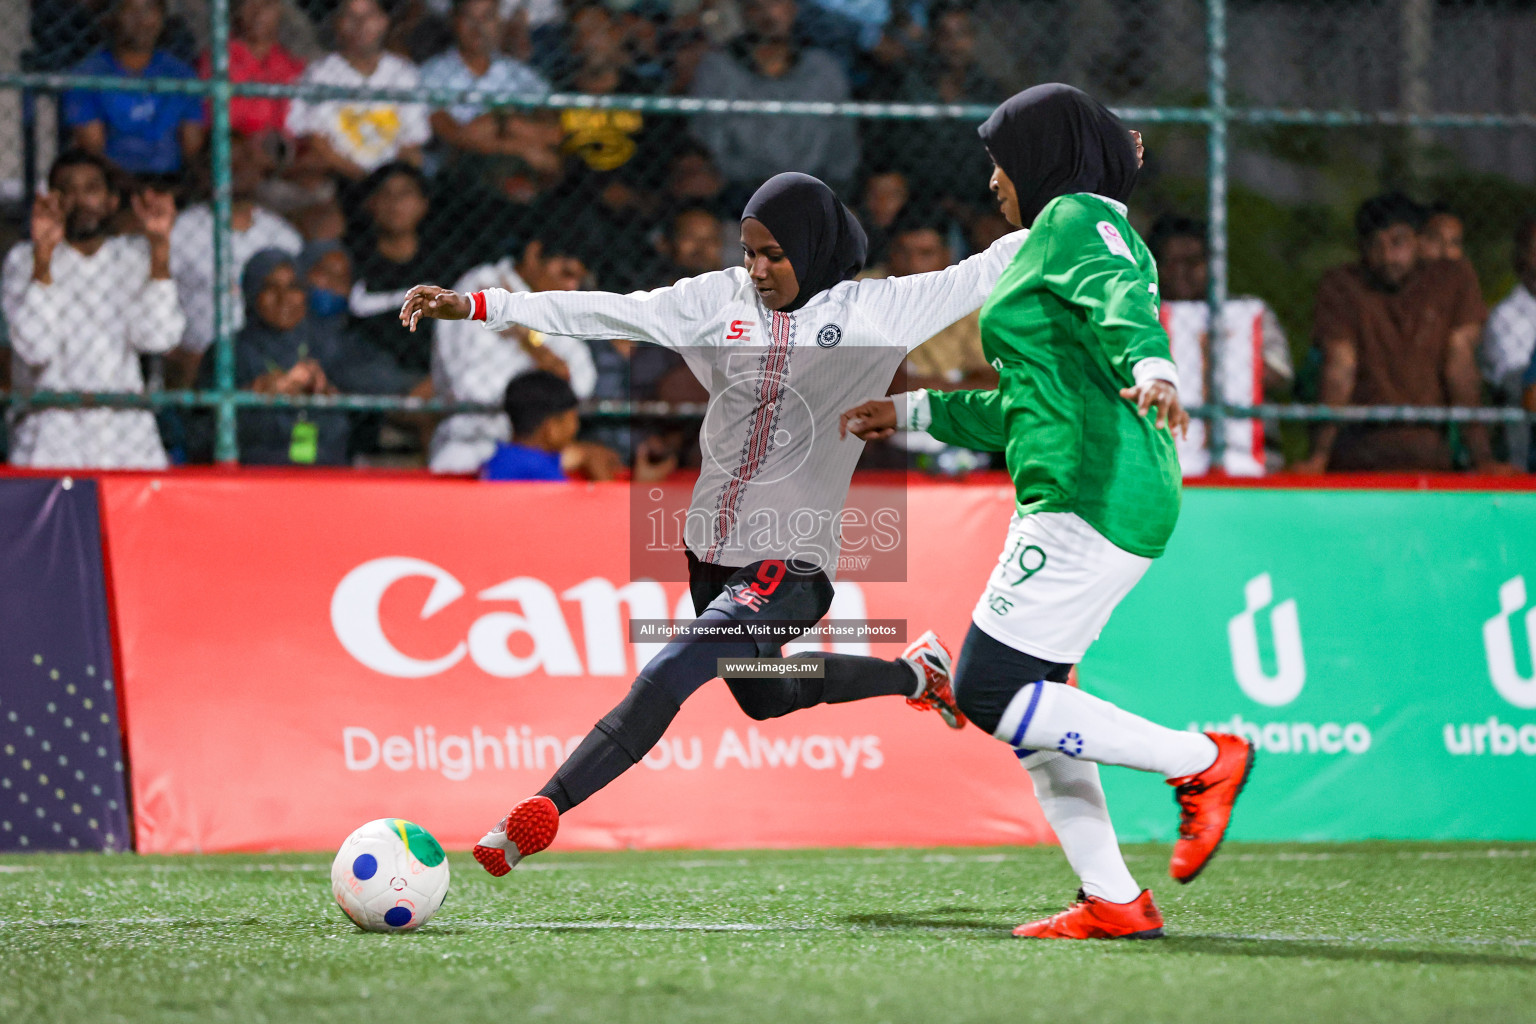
[{"x": 829, "y": 336}]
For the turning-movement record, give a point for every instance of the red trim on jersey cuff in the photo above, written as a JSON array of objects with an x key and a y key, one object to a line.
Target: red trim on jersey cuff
[{"x": 477, "y": 305}]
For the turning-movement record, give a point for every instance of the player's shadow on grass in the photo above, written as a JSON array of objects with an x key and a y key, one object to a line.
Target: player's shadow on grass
[
  {"x": 942, "y": 918},
  {"x": 1359, "y": 952}
]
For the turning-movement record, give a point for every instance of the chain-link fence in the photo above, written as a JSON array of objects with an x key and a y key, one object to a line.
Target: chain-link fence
[{"x": 318, "y": 157}]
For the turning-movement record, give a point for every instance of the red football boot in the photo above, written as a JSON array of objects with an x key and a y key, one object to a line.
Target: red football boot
[
  {"x": 1093, "y": 918},
  {"x": 1205, "y": 805},
  {"x": 932, "y": 659},
  {"x": 528, "y": 828}
]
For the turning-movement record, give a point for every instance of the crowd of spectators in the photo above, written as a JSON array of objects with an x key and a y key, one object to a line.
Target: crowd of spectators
[
  {"x": 339, "y": 205},
  {"x": 1402, "y": 325}
]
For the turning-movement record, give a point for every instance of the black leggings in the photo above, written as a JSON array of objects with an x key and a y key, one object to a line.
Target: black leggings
[
  {"x": 990, "y": 674},
  {"x": 845, "y": 676},
  {"x": 783, "y": 593}
]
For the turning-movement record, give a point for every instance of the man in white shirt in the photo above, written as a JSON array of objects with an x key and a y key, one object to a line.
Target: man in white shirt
[
  {"x": 82, "y": 306},
  {"x": 1255, "y": 363},
  {"x": 349, "y": 138},
  {"x": 472, "y": 364},
  {"x": 255, "y": 229},
  {"x": 1509, "y": 340}
]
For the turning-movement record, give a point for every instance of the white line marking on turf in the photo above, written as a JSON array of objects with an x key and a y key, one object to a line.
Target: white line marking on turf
[
  {"x": 876, "y": 860},
  {"x": 696, "y": 926},
  {"x": 1426, "y": 940},
  {"x": 1303, "y": 857},
  {"x": 636, "y": 926},
  {"x": 13, "y": 869}
]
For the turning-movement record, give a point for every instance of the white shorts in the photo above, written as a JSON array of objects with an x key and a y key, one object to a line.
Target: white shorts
[{"x": 1054, "y": 587}]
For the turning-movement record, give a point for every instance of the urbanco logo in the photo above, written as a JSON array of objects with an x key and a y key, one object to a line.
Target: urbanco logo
[
  {"x": 1243, "y": 635},
  {"x": 1499, "y": 645}
]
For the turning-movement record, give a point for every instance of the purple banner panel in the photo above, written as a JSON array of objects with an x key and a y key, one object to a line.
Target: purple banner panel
[{"x": 61, "y": 755}]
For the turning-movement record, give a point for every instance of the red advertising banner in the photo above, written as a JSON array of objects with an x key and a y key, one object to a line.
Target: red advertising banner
[{"x": 303, "y": 654}]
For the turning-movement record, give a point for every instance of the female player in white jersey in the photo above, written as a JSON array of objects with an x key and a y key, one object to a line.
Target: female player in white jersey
[{"x": 783, "y": 344}]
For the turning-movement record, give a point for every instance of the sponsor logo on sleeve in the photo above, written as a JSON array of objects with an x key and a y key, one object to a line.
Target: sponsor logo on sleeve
[{"x": 1115, "y": 240}]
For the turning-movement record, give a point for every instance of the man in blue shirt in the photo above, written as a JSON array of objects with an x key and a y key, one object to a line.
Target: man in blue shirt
[
  {"x": 145, "y": 133},
  {"x": 542, "y": 408}
]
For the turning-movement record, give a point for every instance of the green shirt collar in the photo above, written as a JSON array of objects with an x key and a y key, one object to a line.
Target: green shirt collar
[{"x": 1119, "y": 206}]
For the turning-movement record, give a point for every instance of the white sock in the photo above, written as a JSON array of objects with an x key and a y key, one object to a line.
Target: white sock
[
  {"x": 922, "y": 677},
  {"x": 1054, "y": 716},
  {"x": 1073, "y": 801}
]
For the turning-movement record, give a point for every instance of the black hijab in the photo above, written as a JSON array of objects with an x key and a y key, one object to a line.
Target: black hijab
[
  {"x": 822, "y": 239},
  {"x": 254, "y": 278},
  {"x": 1054, "y": 140}
]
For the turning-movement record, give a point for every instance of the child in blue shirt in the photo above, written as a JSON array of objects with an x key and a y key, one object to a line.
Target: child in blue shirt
[{"x": 542, "y": 408}]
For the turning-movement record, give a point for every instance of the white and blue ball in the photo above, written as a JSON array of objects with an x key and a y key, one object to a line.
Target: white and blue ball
[{"x": 390, "y": 875}]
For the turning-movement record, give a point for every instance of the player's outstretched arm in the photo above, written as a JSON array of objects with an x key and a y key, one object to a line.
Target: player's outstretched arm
[
  {"x": 678, "y": 316},
  {"x": 914, "y": 308},
  {"x": 970, "y": 419},
  {"x": 431, "y": 301}
]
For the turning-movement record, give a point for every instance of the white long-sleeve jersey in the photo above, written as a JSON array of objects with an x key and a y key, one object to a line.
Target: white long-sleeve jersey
[{"x": 775, "y": 474}]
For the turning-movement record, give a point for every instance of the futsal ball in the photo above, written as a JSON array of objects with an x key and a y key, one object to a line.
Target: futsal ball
[{"x": 390, "y": 876}]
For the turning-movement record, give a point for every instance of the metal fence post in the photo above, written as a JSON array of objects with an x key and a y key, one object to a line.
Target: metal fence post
[
  {"x": 1216, "y": 199},
  {"x": 226, "y": 449}
]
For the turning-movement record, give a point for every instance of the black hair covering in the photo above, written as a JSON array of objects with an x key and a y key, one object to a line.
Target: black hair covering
[
  {"x": 1054, "y": 140},
  {"x": 821, "y": 237},
  {"x": 254, "y": 277}
]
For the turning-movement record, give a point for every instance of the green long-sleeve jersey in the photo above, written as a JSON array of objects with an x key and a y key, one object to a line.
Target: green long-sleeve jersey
[{"x": 1066, "y": 325}]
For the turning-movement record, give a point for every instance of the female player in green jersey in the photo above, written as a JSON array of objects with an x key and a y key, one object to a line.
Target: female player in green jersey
[{"x": 1072, "y": 329}]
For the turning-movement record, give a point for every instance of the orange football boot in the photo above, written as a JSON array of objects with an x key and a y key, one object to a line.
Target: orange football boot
[
  {"x": 1205, "y": 805},
  {"x": 929, "y": 655},
  {"x": 528, "y": 828},
  {"x": 1094, "y": 918}
]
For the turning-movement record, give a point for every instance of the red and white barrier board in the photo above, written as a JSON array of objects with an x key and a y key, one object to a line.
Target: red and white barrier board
[{"x": 300, "y": 655}]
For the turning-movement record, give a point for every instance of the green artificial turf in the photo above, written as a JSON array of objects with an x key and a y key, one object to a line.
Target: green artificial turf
[{"x": 1367, "y": 932}]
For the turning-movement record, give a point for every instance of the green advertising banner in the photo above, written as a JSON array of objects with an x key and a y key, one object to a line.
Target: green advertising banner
[{"x": 1376, "y": 646}]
